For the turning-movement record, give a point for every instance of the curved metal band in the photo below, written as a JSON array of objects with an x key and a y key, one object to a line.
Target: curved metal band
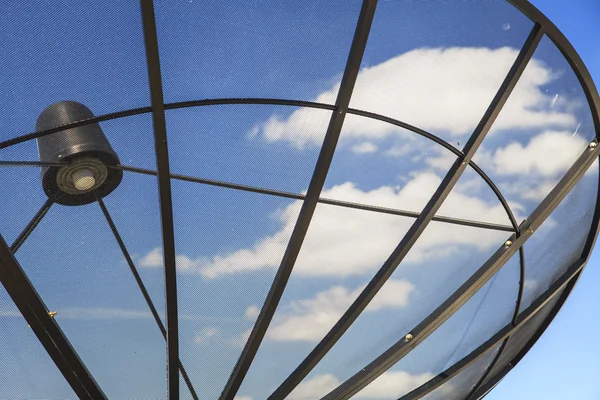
[
  {"x": 281, "y": 102},
  {"x": 567, "y": 278},
  {"x": 471, "y": 286}
]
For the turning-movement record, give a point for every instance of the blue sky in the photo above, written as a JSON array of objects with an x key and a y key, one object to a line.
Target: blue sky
[{"x": 435, "y": 74}]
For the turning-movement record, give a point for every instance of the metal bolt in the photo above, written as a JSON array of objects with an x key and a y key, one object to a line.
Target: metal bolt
[
  {"x": 508, "y": 243},
  {"x": 593, "y": 145},
  {"x": 52, "y": 314},
  {"x": 408, "y": 337},
  {"x": 529, "y": 230}
]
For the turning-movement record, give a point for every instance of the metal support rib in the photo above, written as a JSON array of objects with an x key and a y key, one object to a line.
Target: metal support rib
[
  {"x": 332, "y": 135},
  {"x": 142, "y": 287},
  {"x": 401, "y": 348},
  {"x": 339, "y": 203},
  {"x": 48, "y": 332},
  {"x": 568, "y": 278},
  {"x": 30, "y": 164},
  {"x": 417, "y": 228},
  {"x": 164, "y": 188},
  {"x": 37, "y": 218}
]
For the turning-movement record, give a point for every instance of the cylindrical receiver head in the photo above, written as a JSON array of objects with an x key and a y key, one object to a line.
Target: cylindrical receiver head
[{"x": 84, "y": 150}]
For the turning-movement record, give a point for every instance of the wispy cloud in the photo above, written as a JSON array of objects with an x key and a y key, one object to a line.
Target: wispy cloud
[
  {"x": 390, "y": 385},
  {"x": 104, "y": 313},
  {"x": 310, "y": 319},
  {"x": 447, "y": 93},
  {"x": 345, "y": 242},
  {"x": 206, "y": 335}
]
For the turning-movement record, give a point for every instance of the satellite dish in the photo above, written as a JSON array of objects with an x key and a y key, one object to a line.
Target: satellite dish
[{"x": 271, "y": 192}]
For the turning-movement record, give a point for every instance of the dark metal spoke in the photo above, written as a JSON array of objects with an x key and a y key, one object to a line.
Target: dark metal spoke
[
  {"x": 37, "y": 218},
  {"x": 315, "y": 187},
  {"x": 100, "y": 118},
  {"x": 401, "y": 348},
  {"x": 339, "y": 203},
  {"x": 142, "y": 287},
  {"x": 414, "y": 214},
  {"x": 46, "y": 329},
  {"x": 413, "y": 233},
  {"x": 503, "y": 334},
  {"x": 213, "y": 182},
  {"x": 30, "y": 164},
  {"x": 248, "y": 100},
  {"x": 165, "y": 200}
]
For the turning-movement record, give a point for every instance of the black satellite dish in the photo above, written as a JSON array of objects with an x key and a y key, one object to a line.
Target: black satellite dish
[{"x": 316, "y": 233}]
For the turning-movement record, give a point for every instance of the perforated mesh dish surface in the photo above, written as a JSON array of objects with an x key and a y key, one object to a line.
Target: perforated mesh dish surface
[{"x": 319, "y": 199}]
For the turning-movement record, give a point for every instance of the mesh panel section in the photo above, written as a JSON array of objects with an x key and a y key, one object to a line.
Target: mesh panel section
[
  {"x": 428, "y": 281},
  {"x": 248, "y": 144},
  {"x": 27, "y": 371},
  {"x": 79, "y": 271},
  {"x": 462, "y": 384},
  {"x": 441, "y": 79},
  {"x": 343, "y": 247},
  {"x": 22, "y": 194},
  {"x": 402, "y": 172},
  {"x": 473, "y": 199},
  {"x": 130, "y": 137},
  {"x": 567, "y": 228},
  {"x": 223, "y": 276},
  {"x": 83, "y": 277},
  {"x": 445, "y": 345},
  {"x": 520, "y": 337},
  {"x": 423, "y": 65},
  {"x": 91, "y": 53},
  {"x": 393, "y": 172},
  {"x": 544, "y": 126},
  {"x": 278, "y": 49},
  {"x": 419, "y": 279}
]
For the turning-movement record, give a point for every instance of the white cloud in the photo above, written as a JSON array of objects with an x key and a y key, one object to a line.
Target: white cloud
[
  {"x": 345, "y": 242},
  {"x": 314, "y": 388},
  {"x": 240, "y": 340},
  {"x": 442, "y": 161},
  {"x": 252, "y": 312},
  {"x": 103, "y": 313},
  {"x": 242, "y": 398},
  {"x": 434, "y": 89},
  {"x": 399, "y": 150},
  {"x": 529, "y": 171},
  {"x": 390, "y": 385},
  {"x": 364, "y": 148},
  {"x": 531, "y": 284},
  {"x": 310, "y": 319},
  {"x": 547, "y": 154},
  {"x": 206, "y": 335},
  {"x": 154, "y": 259},
  {"x": 10, "y": 313}
]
